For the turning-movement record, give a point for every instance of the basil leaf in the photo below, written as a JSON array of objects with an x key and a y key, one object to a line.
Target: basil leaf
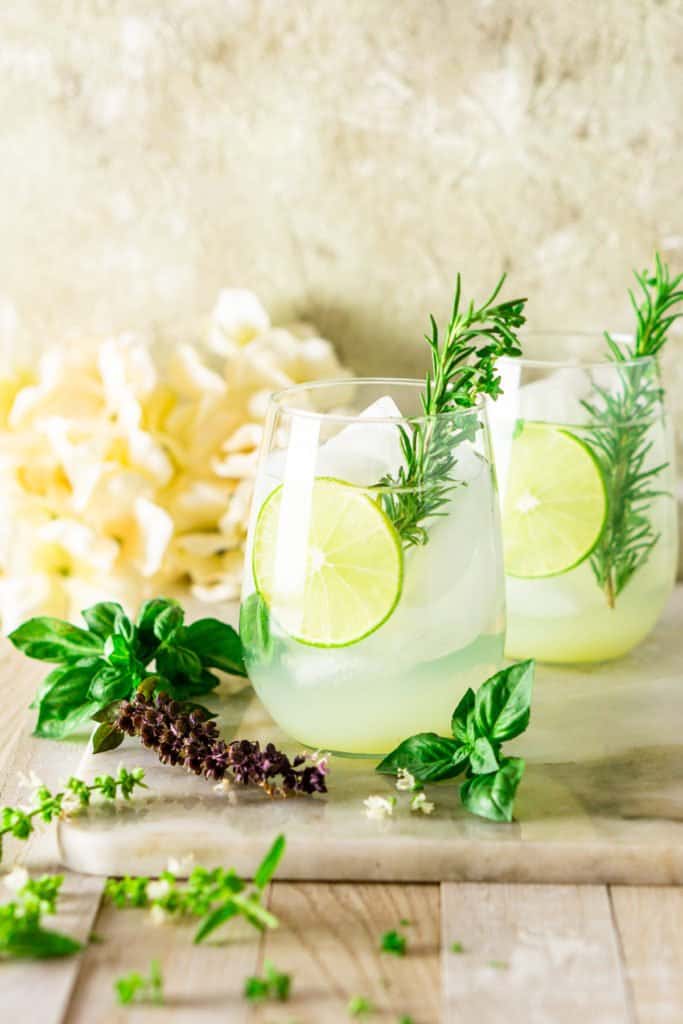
[
  {"x": 217, "y": 644},
  {"x": 255, "y": 633},
  {"x": 268, "y": 865},
  {"x": 426, "y": 756},
  {"x": 53, "y": 677},
  {"x": 462, "y": 715},
  {"x": 112, "y": 683},
  {"x": 36, "y": 943},
  {"x": 106, "y": 737},
  {"x": 66, "y": 705},
  {"x": 182, "y": 688},
  {"x": 108, "y": 713},
  {"x": 100, "y": 618},
  {"x": 503, "y": 703},
  {"x": 214, "y": 919},
  {"x": 492, "y": 796},
  {"x": 483, "y": 757},
  {"x": 168, "y": 622},
  {"x": 124, "y": 628},
  {"x": 54, "y": 640},
  {"x": 56, "y": 724},
  {"x": 117, "y": 651},
  {"x": 178, "y": 664},
  {"x": 147, "y": 641}
]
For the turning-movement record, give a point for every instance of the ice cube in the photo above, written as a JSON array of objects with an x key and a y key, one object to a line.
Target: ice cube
[{"x": 363, "y": 453}]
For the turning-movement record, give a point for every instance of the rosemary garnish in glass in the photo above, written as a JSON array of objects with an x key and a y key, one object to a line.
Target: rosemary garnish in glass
[
  {"x": 618, "y": 433},
  {"x": 463, "y": 367}
]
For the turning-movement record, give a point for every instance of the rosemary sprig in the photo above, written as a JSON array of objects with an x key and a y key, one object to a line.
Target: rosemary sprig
[
  {"x": 620, "y": 423},
  {"x": 463, "y": 367}
]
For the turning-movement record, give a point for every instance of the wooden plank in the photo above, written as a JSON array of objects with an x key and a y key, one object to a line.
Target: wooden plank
[
  {"x": 202, "y": 984},
  {"x": 329, "y": 940},
  {"x": 532, "y": 953},
  {"x": 650, "y": 926},
  {"x": 44, "y": 987}
]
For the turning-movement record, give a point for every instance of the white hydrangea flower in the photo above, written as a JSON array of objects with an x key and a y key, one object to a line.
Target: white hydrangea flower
[
  {"x": 125, "y": 471},
  {"x": 237, "y": 319},
  {"x": 421, "y": 804},
  {"x": 379, "y": 807}
]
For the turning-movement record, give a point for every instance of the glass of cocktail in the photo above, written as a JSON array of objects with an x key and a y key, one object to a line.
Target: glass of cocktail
[
  {"x": 373, "y": 593},
  {"x": 585, "y": 465}
]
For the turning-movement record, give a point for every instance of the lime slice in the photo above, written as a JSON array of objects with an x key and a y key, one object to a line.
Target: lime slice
[
  {"x": 555, "y": 504},
  {"x": 327, "y": 562}
]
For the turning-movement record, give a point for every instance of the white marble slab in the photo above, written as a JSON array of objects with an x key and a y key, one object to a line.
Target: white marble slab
[{"x": 602, "y": 800}]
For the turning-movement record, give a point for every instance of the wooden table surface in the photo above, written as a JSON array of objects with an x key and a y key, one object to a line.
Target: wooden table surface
[{"x": 533, "y": 954}]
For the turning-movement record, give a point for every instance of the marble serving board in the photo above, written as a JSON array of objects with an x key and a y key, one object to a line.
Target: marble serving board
[{"x": 602, "y": 799}]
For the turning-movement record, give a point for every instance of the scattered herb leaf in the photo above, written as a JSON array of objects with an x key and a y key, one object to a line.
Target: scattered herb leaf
[
  {"x": 135, "y": 988},
  {"x": 360, "y": 1006},
  {"x": 393, "y": 942},
  {"x": 22, "y": 935},
  {"x": 273, "y": 985}
]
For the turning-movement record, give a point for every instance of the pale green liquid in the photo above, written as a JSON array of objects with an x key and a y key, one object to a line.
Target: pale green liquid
[{"x": 330, "y": 700}]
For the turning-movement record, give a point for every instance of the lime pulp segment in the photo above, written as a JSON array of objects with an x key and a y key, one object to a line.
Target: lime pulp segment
[
  {"x": 555, "y": 504},
  {"x": 327, "y": 562}
]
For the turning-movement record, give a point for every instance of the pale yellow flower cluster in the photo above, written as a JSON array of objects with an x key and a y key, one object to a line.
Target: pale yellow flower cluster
[{"x": 127, "y": 471}]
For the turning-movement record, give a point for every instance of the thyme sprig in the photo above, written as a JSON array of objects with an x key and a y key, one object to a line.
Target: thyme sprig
[
  {"x": 619, "y": 432},
  {"x": 463, "y": 367},
  {"x": 20, "y": 822}
]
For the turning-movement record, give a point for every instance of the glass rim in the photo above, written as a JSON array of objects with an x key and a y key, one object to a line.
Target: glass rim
[
  {"x": 576, "y": 362},
  {"x": 277, "y": 401}
]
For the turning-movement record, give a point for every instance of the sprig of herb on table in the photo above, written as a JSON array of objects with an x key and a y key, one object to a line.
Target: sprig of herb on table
[
  {"x": 22, "y": 935},
  {"x": 106, "y": 661},
  {"x": 360, "y": 1006},
  {"x": 463, "y": 367},
  {"x": 216, "y": 896},
  {"x": 183, "y": 736},
  {"x": 393, "y": 942},
  {"x": 135, "y": 988},
  {"x": 20, "y": 821},
  {"x": 274, "y": 985},
  {"x": 618, "y": 433},
  {"x": 481, "y": 723}
]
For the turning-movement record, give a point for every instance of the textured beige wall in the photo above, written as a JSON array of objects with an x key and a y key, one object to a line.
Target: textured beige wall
[{"x": 341, "y": 157}]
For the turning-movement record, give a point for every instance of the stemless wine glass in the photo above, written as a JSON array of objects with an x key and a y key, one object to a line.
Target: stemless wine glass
[
  {"x": 585, "y": 462},
  {"x": 373, "y": 591}
]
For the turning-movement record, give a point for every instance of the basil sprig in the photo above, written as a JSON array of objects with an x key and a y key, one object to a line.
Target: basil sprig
[
  {"x": 102, "y": 664},
  {"x": 481, "y": 723}
]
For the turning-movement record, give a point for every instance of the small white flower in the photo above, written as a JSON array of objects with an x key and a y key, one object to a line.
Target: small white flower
[
  {"x": 405, "y": 781},
  {"x": 158, "y": 915},
  {"x": 16, "y": 879},
  {"x": 70, "y": 803},
  {"x": 157, "y": 890},
  {"x": 421, "y": 803},
  {"x": 181, "y": 866},
  {"x": 379, "y": 807}
]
